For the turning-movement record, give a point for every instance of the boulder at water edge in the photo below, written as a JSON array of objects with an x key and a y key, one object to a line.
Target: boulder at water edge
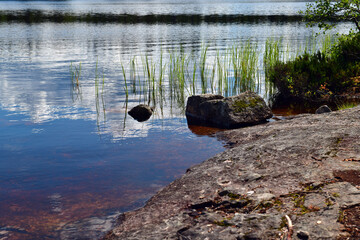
[
  {"x": 141, "y": 112},
  {"x": 245, "y": 109},
  {"x": 323, "y": 109}
]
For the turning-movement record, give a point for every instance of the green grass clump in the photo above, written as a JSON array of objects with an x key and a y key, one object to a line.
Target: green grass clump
[
  {"x": 75, "y": 73},
  {"x": 348, "y": 105}
]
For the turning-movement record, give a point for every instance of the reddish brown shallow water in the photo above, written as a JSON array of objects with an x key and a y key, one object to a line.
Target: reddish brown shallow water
[
  {"x": 28, "y": 217},
  {"x": 62, "y": 180}
]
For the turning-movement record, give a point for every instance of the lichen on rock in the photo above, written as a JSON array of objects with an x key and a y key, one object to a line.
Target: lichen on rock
[{"x": 240, "y": 105}]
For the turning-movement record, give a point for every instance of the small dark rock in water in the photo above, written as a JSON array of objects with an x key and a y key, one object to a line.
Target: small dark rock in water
[
  {"x": 141, "y": 112},
  {"x": 245, "y": 109},
  {"x": 323, "y": 109}
]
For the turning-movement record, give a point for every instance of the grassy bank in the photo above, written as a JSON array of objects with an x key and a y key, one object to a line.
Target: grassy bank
[{"x": 322, "y": 74}]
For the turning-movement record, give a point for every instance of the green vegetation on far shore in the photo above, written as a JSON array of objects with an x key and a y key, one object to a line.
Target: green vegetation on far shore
[{"x": 38, "y": 16}]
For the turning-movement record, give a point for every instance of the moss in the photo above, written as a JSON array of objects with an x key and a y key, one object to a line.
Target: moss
[
  {"x": 299, "y": 201},
  {"x": 328, "y": 202},
  {"x": 336, "y": 194},
  {"x": 338, "y": 140},
  {"x": 305, "y": 210},
  {"x": 278, "y": 202},
  {"x": 341, "y": 216},
  {"x": 223, "y": 223},
  {"x": 266, "y": 204},
  {"x": 283, "y": 223},
  {"x": 254, "y": 101},
  {"x": 312, "y": 187},
  {"x": 233, "y": 196},
  {"x": 241, "y": 105}
]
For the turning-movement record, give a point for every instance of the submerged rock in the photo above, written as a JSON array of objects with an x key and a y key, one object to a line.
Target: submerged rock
[
  {"x": 141, "y": 112},
  {"x": 245, "y": 109},
  {"x": 323, "y": 109}
]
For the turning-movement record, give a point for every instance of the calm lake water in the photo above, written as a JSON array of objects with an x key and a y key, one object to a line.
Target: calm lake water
[{"x": 71, "y": 160}]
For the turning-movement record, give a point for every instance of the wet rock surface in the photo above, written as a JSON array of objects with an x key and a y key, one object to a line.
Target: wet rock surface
[
  {"x": 299, "y": 167},
  {"x": 88, "y": 228},
  {"x": 245, "y": 109}
]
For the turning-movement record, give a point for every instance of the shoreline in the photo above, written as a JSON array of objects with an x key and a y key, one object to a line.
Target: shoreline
[{"x": 306, "y": 167}]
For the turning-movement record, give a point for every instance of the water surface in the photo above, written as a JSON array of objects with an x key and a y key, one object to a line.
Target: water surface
[{"x": 71, "y": 161}]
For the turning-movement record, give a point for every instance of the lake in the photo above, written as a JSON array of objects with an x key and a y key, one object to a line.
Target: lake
[{"x": 71, "y": 159}]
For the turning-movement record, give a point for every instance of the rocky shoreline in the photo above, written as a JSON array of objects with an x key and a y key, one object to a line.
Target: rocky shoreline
[{"x": 292, "y": 179}]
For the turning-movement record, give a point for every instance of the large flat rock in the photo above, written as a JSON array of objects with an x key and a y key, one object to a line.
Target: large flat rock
[{"x": 306, "y": 167}]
